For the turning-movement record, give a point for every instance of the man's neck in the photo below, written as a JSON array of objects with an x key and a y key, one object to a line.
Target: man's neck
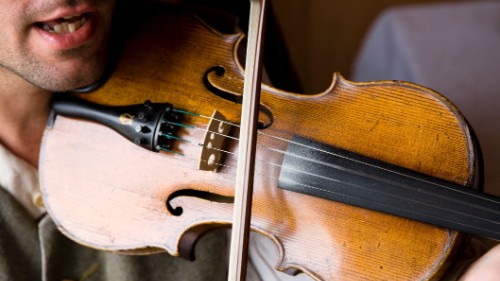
[{"x": 23, "y": 113}]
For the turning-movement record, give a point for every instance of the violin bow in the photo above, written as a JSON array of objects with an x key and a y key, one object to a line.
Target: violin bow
[{"x": 247, "y": 145}]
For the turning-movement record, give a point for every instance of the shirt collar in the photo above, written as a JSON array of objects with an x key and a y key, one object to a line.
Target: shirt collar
[{"x": 20, "y": 179}]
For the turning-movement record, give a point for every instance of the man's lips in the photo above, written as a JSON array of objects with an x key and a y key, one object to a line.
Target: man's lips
[
  {"x": 66, "y": 24},
  {"x": 69, "y": 31}
]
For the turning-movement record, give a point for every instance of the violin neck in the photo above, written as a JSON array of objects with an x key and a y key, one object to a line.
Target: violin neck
[{"x": 335, "y": 174}]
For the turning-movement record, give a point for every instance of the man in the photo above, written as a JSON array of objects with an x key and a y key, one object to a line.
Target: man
[{"x": 49, "y": 46}]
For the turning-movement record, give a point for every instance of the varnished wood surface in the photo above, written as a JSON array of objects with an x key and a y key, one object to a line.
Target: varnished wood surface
[{"x": 107, "y": 193}]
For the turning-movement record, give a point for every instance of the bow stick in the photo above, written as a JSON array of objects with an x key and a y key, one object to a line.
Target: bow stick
[{"x": 248, "y": 137}]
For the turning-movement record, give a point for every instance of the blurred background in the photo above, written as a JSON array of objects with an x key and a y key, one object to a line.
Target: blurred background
[{"x": 324, "y": 36}]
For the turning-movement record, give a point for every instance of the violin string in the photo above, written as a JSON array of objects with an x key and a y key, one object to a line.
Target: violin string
[
  {"x": 221, "y": 165},
  {"x": 383, "y": 180},
  {"x": 347, "y": 158},
  {"x": 375, "y": 202},
  {"x": 382, "y": 168},
  {"x": 287, "y": 141},
  {"x": 401, "y": 198}
]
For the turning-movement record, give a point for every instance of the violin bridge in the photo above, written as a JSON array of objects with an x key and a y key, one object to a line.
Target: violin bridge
[{"x": 216, "y": 134}]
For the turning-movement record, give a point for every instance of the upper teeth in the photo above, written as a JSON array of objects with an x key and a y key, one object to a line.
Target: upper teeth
[{"x": 65, "y": 26}]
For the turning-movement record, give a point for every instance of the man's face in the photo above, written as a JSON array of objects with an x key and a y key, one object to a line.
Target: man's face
[{"x": 55, "y": 44}]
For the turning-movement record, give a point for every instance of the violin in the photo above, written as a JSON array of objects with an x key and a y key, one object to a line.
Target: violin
[{"x": 364, "y": 180}]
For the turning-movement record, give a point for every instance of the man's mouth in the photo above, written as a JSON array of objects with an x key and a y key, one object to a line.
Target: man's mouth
[{"x": 64, "y": 25}]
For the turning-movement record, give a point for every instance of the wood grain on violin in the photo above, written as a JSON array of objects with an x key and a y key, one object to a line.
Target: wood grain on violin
[{"x": 106, "y": 192}]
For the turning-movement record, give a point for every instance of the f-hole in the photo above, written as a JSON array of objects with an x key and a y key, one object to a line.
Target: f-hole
[{"x": 197, "y": 194}]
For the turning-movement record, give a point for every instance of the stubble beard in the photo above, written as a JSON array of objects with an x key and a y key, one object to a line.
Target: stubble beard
[{"x": 54, "y": 77}]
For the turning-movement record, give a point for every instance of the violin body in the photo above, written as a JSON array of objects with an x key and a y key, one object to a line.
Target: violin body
[{"x": 105, "y": 192}]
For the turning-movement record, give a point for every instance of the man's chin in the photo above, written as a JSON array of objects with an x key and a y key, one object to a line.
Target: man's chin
[
  {"x": 70, "y": 79},
  {"x": 71, "y": 69}
]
